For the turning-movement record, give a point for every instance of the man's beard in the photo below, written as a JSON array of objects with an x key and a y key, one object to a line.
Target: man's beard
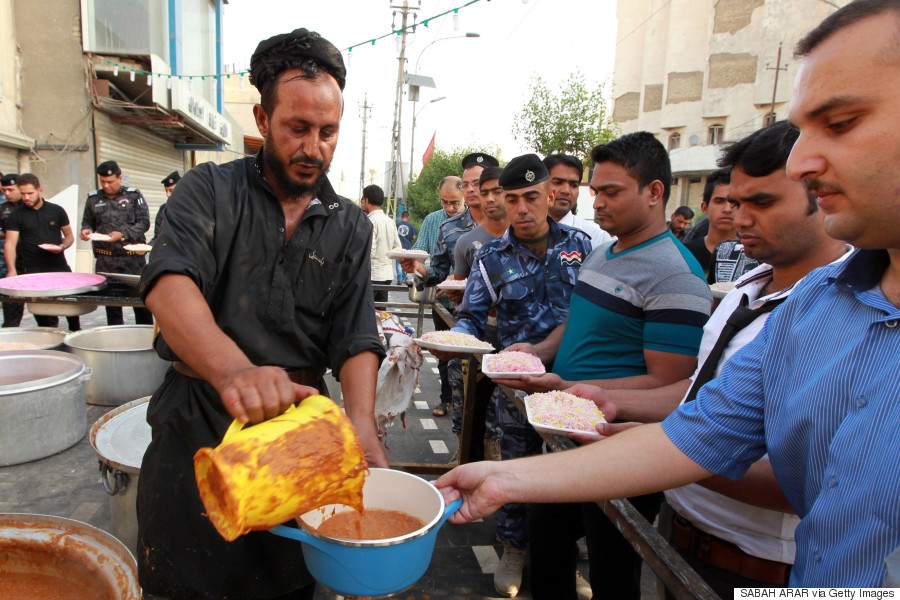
[{"x": 291, "y": 189}]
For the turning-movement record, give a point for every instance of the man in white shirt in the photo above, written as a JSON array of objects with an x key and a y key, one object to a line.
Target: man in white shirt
[
  {"x": 565, "y": 180},
  {"x": 384, "y": 239}
]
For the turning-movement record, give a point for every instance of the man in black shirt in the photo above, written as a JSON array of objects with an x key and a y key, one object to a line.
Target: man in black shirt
[
  {"x": 39, "y": 232},
  {"x": 721, "y": 218},
  {"x": 259, "y": 282}
]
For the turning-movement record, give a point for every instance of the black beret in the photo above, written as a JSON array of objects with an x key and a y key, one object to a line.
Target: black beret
[
  {"x": 110, "y": 167},
  {"x": 523, "y": 171},
  {"x": 479, "y": 159},
  {"x": 171, "y": 179},
  {"x": 9, "y": 179},
  {"x": 298, "y": 49}
]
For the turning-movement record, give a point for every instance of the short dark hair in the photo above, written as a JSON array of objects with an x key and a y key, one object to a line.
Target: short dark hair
[
  {"x": 373, "y": 194},
  {"x": 552, "y": 160},
  {"x": 844, "y": 17},
  {"x": 642, "y": 156},
  {"x": 763, "y": 152},
  {"x": 716, "y": 178},
  {"x": 28, "y": 179},
  {"x": 683, "y": 211},
  {"x": 404, "y": 214},
  {"x": 488, "y": 174}
]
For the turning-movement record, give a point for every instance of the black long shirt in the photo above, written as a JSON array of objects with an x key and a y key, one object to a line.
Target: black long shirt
[
  {"x": 35, "y": 227},
  {"x": 296, "y": 303}
]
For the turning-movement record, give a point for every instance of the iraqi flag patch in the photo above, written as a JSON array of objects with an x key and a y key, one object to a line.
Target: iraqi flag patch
[{"x": 570, "y": 259}]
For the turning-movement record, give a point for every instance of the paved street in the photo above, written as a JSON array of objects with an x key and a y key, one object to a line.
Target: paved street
[{"x": 68, "y": 485}]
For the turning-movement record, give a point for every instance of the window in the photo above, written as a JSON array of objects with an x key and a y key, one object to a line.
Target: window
[
  {"x": 674, "y": 141},
  {"x": 128, "y": 27},
  {"x": 769, "y": 118},
  {"x": 715, "y": 135}
]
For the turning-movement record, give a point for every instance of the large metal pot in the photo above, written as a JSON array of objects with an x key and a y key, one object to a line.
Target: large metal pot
[
  {"x": 42, "y": 408},
  {"x": 41, "y": 338},
  {"x": 120, "y": 439},
  {"x": 52, "y": 557},
  {"x": 124, "y": 362}
]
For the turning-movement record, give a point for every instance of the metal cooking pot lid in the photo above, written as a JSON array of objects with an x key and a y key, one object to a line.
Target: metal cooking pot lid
[
  {"x": 124, "y": 436},
  {"x": 51, "y": 284}
]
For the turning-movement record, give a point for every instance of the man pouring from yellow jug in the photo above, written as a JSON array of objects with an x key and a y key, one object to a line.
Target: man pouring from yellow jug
[{"x": 259, "y": 282}]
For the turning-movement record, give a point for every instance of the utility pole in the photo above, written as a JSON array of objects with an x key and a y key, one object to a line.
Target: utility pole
[
  {"x": 777, "y": 68},
  {"x": 395, "y": 179},
  {"x": 362, "y": 166}
]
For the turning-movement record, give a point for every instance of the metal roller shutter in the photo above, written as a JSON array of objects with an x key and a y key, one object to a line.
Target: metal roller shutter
[
  {"x": 143, "y": 157},
  {"x": 9, "y": 160}
]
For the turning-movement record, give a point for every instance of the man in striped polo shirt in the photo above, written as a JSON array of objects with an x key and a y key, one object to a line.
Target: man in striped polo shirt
[{"x": 635, "y": 321}]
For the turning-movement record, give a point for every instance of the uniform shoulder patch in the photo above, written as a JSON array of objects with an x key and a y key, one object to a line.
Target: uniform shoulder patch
[
  {"x": 132, "y": 190},
  {"x": 94, "y": 193}
]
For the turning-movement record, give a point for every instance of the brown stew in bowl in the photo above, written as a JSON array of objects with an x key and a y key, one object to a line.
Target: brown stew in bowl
[{"x": 373, "y": 524}]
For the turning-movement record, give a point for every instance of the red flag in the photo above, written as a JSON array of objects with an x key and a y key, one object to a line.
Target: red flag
[{"x": 428, "y": 150}]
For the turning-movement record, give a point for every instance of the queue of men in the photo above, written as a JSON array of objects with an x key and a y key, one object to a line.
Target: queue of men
[{"x": 788, "y": 420}]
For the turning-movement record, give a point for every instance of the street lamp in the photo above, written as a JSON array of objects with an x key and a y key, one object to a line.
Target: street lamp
[
  {"x": 468, "y": 34},
  {"x": 412, "y": 140}
]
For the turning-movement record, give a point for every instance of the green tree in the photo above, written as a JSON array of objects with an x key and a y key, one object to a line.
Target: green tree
[
  {"x": 424, "y": 196},
  {"x": 571, "y": 120}
]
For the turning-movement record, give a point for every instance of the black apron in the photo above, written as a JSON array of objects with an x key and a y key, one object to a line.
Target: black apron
[{"x": 180, "y": 554}]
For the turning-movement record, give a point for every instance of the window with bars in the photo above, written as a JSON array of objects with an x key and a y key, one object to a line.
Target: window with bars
[{"x": 674, "y": 141}]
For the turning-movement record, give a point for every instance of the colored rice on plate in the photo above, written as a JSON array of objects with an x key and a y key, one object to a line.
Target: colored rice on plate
[
  {"x": 453, "y": 338},
  {"x": 562, "y": 410},
  {"x": 513, "y": 362}
]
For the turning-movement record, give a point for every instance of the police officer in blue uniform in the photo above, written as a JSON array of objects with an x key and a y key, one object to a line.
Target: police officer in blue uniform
[
  {"x": 528, "y": 276},
  {"x": 122, "y": 214}
]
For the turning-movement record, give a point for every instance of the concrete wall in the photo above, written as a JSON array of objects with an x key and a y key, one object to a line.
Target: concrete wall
[
  {"x": 13, "y": 141},
  {"x": 711, "y": 62},
  {"x": 57, "y": 110}
]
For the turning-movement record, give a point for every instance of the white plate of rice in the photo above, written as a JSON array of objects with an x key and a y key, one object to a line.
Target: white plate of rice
[
  {"x": 511, "y": 365},
  {"x": 561, "y": 412},
  {"x": 452, "y": 341}
]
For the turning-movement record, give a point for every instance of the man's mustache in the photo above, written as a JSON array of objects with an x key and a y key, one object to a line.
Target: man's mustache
[
  {"x": 816, "y": 185},
  {"x": 306, "y": 160}
]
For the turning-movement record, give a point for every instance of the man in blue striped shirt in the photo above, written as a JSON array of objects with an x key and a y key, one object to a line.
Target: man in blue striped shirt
[{"x": 819, "y": 387}]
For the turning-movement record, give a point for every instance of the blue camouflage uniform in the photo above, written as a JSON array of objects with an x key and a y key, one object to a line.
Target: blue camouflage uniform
[
  {"x": 442, "y": 258},
  {"x": 441, "y": 265},
  {"x": 531, "y": 298}
]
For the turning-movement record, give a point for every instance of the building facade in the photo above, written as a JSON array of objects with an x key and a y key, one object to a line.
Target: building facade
[
  {"x": 135, "y": 81},
  {"x": 700, "y": 73}
]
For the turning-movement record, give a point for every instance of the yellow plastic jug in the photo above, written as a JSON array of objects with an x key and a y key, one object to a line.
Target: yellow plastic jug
[{"x": 258, "y": 477}]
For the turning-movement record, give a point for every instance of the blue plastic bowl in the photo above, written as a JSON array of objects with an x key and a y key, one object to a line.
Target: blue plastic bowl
[{"x": 375, "y": 567}]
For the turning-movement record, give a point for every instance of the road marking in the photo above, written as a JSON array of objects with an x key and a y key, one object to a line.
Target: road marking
[
  {"x": 487, "y": 558},
  {"x": 430, "y": 359},
  {"x": 435, "y": 370},
  {"x": 439, "y": 447},
  {"x": 421, "y": 405},
  {"x": 428, "y": 424},
  {"x": 418, "y": 390}
]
